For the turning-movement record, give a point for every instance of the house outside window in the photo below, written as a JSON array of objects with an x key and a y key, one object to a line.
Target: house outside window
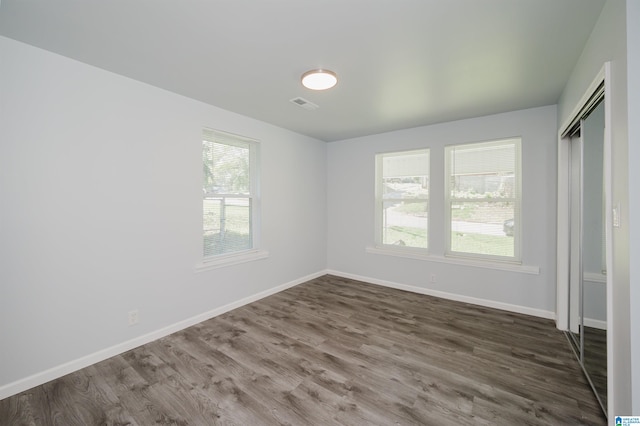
[{"x": 483, "y": 199}]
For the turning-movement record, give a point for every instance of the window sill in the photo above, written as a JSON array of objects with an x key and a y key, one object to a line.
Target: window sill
[
  {"x": 510, "y": 267},
  {"x": 231, "y": 259}
]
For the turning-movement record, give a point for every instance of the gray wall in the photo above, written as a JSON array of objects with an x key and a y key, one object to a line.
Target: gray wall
[
  {"x": 100, "y": 188},
  {"x": 351, "y": 211}
]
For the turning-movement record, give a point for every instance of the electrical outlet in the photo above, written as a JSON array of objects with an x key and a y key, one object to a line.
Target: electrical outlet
[
  {"x": 433, "y": 278},
  {"x": 133, "y": 317}
]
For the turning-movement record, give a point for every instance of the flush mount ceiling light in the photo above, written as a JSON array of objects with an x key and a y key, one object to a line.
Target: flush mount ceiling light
[{"x": 319, "y": 79}]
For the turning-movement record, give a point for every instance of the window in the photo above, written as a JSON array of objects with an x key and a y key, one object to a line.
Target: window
[
  {"x": 402, "y": 199},
  {"x": 482, "y": 199},
  {"x": 229, "y": 205}
]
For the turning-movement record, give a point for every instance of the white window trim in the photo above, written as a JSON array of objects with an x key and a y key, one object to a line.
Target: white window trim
[
  {"x": 457, "y": 260},
  {"x": 477, "y": 257},
  {"x": 225, "y": 260}
]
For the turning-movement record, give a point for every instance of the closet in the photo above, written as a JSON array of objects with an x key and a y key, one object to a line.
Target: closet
[
  {"x": 586, "y": 218},
  {"x": 587, "y": 271}
]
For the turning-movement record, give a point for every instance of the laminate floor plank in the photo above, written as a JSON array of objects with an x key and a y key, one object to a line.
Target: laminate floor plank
[
  {"x": 332, "y": 351},
  {"x": 69, "y": 403},
  {"x": 18, "y": 410}
]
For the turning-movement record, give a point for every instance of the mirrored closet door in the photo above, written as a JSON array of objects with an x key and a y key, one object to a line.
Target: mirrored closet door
[{"x": 587, "y": 269}]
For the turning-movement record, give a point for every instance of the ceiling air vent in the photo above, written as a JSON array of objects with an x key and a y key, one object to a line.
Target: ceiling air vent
[{"x": 303, "y": 103}]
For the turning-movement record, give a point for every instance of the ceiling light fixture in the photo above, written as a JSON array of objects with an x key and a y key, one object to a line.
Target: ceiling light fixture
[{"x": 319, "y": 79}]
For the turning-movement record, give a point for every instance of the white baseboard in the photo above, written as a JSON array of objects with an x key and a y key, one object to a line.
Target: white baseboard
[
  {"x": 451, "y": 296},
  {"x": 77, "y": 364}
]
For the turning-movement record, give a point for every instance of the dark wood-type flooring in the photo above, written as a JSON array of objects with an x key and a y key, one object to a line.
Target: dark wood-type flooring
[{"x": 331, "y": 351}]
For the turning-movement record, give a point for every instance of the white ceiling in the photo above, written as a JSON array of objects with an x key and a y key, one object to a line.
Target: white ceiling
[{"x": 400, "y": 63}]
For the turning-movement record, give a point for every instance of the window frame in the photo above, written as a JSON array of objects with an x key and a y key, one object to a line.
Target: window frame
[
  {"x": 253, "y": 252},
  {"x": 379, "y": 202},
  {"x": 517, "y": 200}
]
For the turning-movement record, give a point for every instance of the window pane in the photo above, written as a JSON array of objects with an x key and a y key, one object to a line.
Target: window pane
[
  {"x": 483, "y": 228},
  {"x": 403, "y": 193},
  {"x": 226, "y": 168},
  {"x": 228, "y": 186},
  {"x": 227, "y": 225},
  {"x": 484, "y": 198}
]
